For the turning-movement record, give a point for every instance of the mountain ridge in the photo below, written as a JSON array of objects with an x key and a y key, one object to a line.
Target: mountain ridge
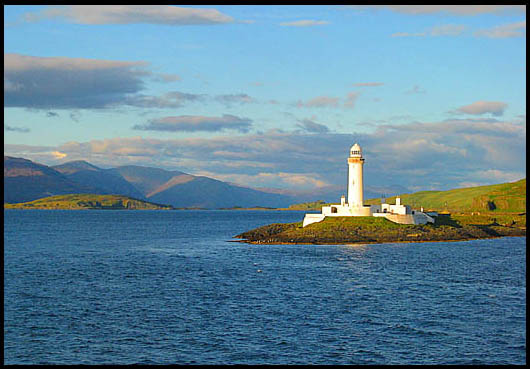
[{"x": 158, "y": 185}]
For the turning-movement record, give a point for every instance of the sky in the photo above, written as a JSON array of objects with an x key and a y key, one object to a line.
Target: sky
[{"x": 272, "y": 96}]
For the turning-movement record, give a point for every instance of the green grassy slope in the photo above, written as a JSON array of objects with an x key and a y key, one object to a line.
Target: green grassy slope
[
  {"x": 504, "y": 197},
  {"x": 88, "y": 201}
]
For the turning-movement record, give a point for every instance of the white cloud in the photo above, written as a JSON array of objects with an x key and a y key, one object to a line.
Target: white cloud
[
  {"x": 435, "y": 31},
  {"x": 447, "y": 30},
  {"x": 319, "y": 102},
  {"x": 483, "y": 107},
  {"x": 462, "y": 10},
  {"x": 127, "y": 14},
  {"x": 304, "y": 23},
  {"x": 504, "y": 31},
  {"x": 418, "y": 155},
  {"x": 194, "y": 123}
]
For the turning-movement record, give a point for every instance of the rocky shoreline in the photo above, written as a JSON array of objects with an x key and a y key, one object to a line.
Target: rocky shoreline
[{"x": 363, "y": 230}]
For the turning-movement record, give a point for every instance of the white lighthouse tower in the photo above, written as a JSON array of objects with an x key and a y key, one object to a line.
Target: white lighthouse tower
[
  {"x": 355, "y": 177},
  {"x": 355, "y": 207}
]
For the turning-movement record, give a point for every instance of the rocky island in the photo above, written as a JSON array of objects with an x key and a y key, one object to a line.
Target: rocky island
[{"x": 362, "y": 230}]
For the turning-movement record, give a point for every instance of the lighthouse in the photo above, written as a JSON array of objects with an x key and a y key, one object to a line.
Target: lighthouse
[
  {"x": 355, "y": 177},
  {"x": 397, "y": 213}
]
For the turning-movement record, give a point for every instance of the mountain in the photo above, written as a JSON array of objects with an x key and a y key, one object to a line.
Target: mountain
[
  {"x": 104, "y": 181},
  {"x": 180, "y": 189},
  {"x": 145, "y": 179},
  {"x": 25, "y": 180},
  {"x": 206, "y": 192}
]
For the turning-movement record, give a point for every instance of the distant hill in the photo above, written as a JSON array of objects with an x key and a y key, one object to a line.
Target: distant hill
[
  {"x": 507, "y": 197},
  {"x": 88, "y": 201},
  {"x": 103, "y": 181},
  {"x": 206, "y": 192},
  {"x": 25, "y": 180},
  {"x": 145, "y": 179}
]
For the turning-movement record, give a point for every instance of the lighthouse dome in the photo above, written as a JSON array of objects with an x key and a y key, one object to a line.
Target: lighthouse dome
[{"x": 356, "y": 151}]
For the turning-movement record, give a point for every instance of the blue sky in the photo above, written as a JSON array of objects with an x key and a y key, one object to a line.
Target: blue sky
[{"x": 272, "y": 96}]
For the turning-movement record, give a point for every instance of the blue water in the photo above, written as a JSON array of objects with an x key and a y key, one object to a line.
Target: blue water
[{"x": 165, "y": 287}]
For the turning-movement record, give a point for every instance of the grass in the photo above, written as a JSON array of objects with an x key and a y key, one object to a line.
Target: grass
[
  {"x": 340, "y": 230},
  {"x": 87, "y": 201},
  {"x": 504, "y": 197}
]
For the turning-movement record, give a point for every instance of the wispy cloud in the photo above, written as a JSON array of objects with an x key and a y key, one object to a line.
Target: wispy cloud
[
  {"x": 367, "y": 84},
  {"x": 304, "y": 23},
  {"x": 351, "y": 99},
  {"x": 173, "y": 99},
  {"x": 505, "y": 31},
  {"x": 231, "y": 99},
  {"x": 483, "y": 107},
  {"x": 436, "y": 31},
  {"x": 462, "y": 10},
  {"x": 127, "y": 14},
  {"x": 319, "y": 102},
  {"x": 309, "y": 125},
  {"x": 16, "y": 129},
  {"x": 195, "y": 123}
]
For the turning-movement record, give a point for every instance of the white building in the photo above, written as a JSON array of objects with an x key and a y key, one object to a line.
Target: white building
[{"x": 355, "y": 206}]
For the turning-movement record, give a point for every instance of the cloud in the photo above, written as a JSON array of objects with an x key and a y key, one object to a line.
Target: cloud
[
  {"x": 417, "y": 155},
  {"x": 128, "y": 14},
  {"x": 442, "y": 30},
  {"x": 230, "y": 99},
  {"x": 304, "y": 23},
  {"x": 447, "y": 30},
  {"x": 311, "y": 126},
  {"x": 351, "y": 99},
  {"x": 319, "y": 102},
  {"x": 74, "y": 116},
  {"x": 191, "y": 123},
  {"x": 62, "y": 83},
  {"x": 483, "y": 107},
  {"x": 77, "y": 83},
  {"x": 173, "y": 99},
  {"x": 504, "y": 31},
  {"x": 166, "y": 77},
  {"x": 462, "y": 10},
  {"x": 16, "y": 129},
  {"x": 407, "y": 34},
  {"x": 368, "y": 84},
  {"x": 58, "y": 154}
]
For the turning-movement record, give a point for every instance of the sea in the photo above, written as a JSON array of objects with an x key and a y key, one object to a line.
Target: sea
[{"x": 171, "y": 287}]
